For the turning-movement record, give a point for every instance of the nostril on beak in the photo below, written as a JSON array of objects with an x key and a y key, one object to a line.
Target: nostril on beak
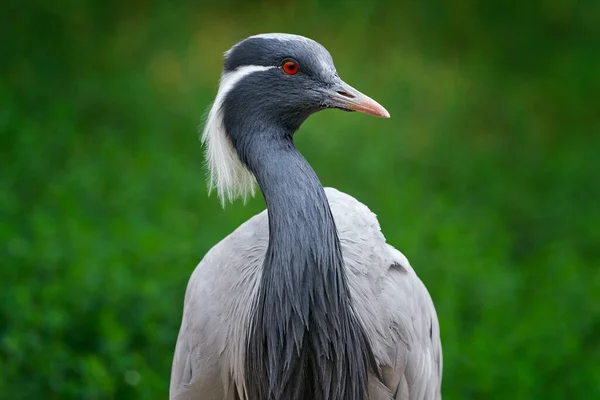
[{"x": 345, "y": 94}]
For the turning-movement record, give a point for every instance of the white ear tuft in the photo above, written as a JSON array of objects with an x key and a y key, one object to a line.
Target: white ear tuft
[{"x": 227, "y": 174}]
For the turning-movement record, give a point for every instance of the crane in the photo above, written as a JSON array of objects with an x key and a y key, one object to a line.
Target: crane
[{"x": 305, "y": 300}]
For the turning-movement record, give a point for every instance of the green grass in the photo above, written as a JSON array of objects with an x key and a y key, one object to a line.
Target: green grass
[{"x": 486, "y": 177}]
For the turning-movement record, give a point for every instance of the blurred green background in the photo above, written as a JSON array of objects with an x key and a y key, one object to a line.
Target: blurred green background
[{"x": 486, "y": 177}]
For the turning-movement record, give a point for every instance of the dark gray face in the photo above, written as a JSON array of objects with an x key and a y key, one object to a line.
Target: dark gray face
[{"x": 264, "y": 92}]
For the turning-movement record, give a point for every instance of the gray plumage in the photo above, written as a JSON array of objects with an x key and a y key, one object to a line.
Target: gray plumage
[{"x": 305, "y": 300}]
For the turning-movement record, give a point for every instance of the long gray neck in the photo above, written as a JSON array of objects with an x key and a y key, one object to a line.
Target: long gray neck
[
  {"x": 305, "y": 341},
  {"x": 300, "y": 222}
]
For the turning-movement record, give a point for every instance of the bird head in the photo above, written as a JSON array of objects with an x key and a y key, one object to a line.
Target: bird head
[
  {"x": 286, "y": 78},
  {"x": 271, "y": 80}
]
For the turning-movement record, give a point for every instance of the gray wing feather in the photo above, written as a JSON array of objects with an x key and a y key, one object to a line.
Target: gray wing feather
[
  {"x": 392, "y": 303},
  {"x": 423, "y": 360},
  {"x": 210, "y": 347}
]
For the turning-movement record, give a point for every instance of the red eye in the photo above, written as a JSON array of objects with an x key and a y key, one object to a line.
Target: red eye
[{"x": 290, "y": 67}]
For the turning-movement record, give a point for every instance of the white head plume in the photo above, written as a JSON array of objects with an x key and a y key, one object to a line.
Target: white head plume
[{"x": 227, "y": 174}]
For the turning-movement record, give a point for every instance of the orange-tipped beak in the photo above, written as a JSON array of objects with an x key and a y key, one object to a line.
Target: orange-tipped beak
[{"x": 345, "y": 97}]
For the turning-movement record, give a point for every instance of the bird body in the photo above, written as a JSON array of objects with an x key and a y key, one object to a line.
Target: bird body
[
  {"x": 391, "y": 302},
  {"x": 305, "y": 300}
]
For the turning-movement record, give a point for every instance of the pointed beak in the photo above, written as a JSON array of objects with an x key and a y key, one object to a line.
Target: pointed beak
[{"x": 345, "y": 97}]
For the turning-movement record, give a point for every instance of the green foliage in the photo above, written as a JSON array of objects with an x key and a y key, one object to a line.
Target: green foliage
[{"x": 486, "y": 177}]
